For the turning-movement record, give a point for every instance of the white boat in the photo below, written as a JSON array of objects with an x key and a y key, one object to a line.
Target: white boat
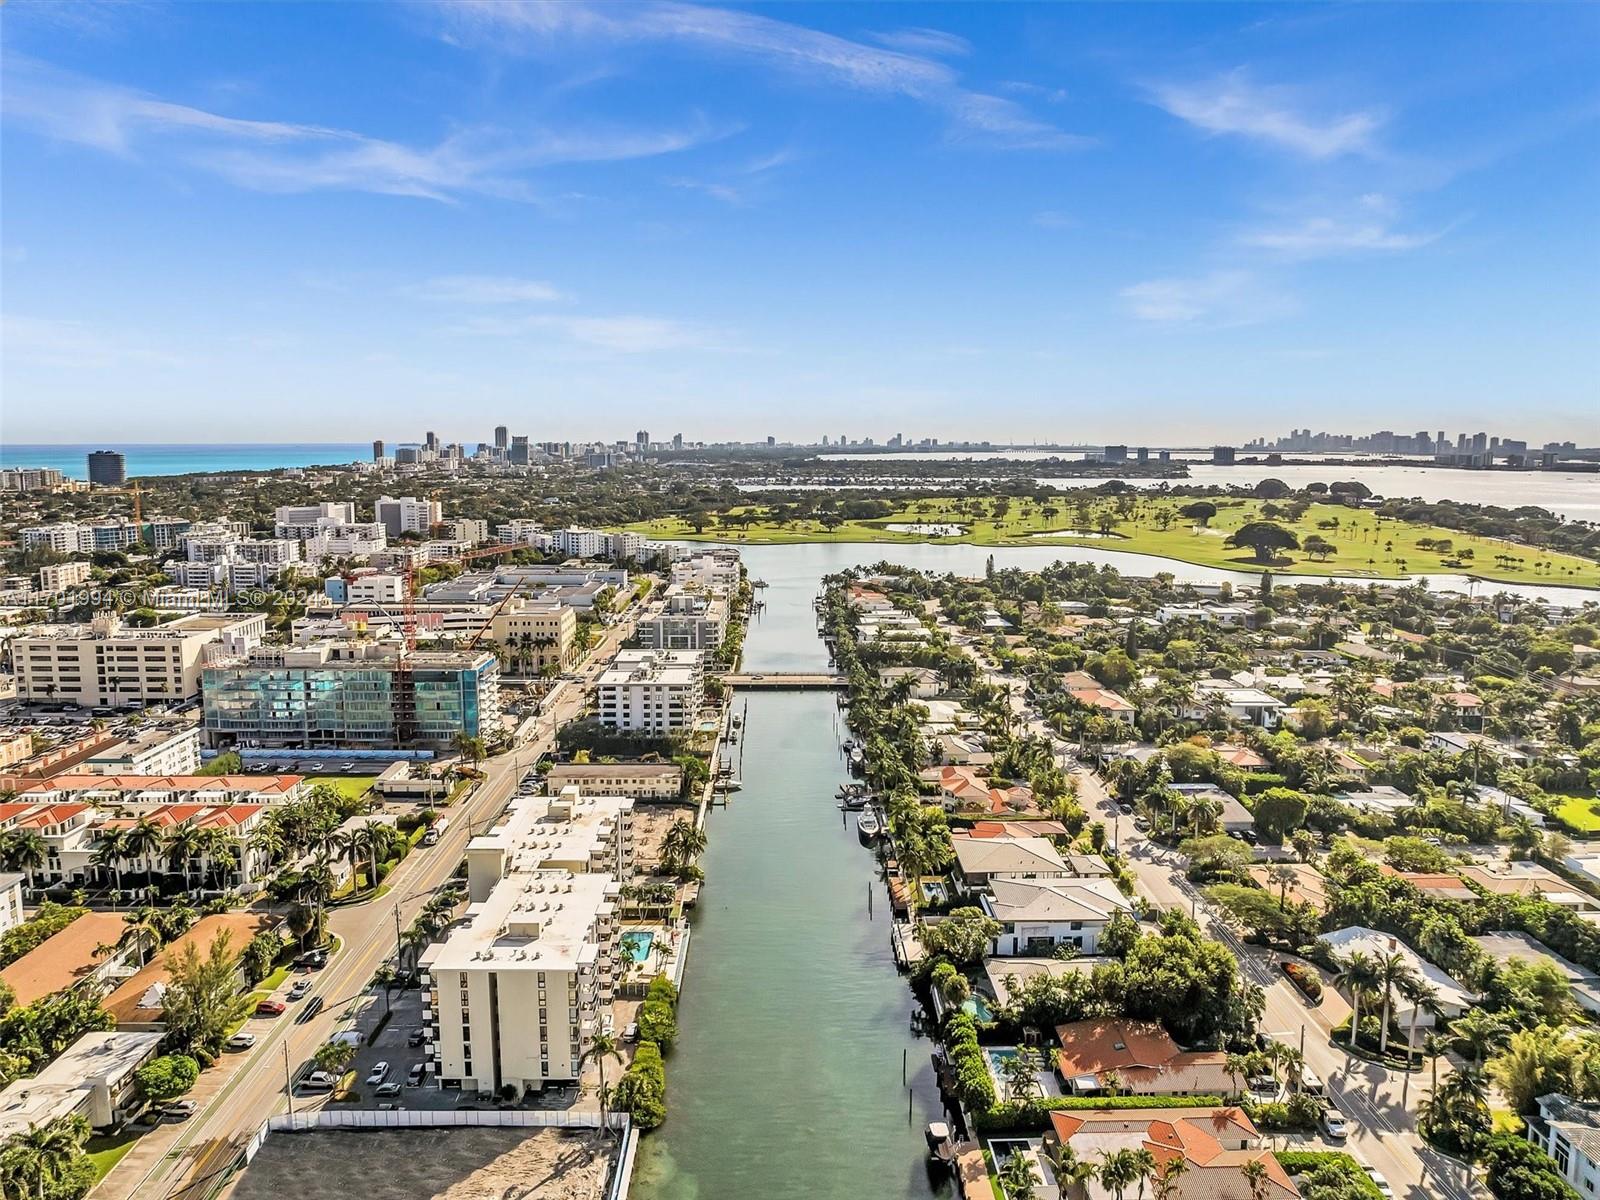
[
  {"x": 731, "y": 785},
  {"x": 867, "y": 824}
]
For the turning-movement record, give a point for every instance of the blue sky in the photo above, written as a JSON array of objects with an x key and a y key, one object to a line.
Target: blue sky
[{"x": 1125, "y": 222}]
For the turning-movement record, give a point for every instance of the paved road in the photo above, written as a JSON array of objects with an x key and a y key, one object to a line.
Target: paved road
[{"x": 177, "y": 1159}]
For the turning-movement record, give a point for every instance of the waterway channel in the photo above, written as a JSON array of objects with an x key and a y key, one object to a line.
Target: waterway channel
[{"x": 794, "y": 1025}]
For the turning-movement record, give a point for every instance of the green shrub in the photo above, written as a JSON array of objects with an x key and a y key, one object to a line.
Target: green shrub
[
  {"x": 642, "y": 1090},
  {"x": 658, "y": 1023},
  {"x": 1320, "y": 1173},
  {"x": 662, "y": 988},
  {"x": 167, "y": 1077}
]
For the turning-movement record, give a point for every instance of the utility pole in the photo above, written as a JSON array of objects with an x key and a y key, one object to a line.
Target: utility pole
[{"x": 288, "y": 1081}]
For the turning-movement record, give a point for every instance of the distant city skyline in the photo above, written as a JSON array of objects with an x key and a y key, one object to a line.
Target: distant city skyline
[{"x": 1069, "y": 223}]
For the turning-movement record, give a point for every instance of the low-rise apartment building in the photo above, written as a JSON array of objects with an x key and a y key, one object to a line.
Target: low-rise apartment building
[
  {"x": 652, "y": 691},
  {"x": 107, "y": 663},
  {"x": 685, "y": 621},
  {"x": 535, "y": 635},
  {"x": 157, "y": 750},
  {"x": 61, "y": 576},
  {"x": 639, "y": 781}
]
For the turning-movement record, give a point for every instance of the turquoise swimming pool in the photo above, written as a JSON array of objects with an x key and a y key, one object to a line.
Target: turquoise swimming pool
[
  {"x": 636, "y": 944},
  {"x": 977, "y": 1007}
]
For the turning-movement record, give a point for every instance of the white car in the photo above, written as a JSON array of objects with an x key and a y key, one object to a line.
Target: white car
[
  {"x": 241, "y": 1041},
  {"x": 1379, "y": 1182},
  {"x": 1333, "y": 1124},
  {"x": 379, "y": 1072}
]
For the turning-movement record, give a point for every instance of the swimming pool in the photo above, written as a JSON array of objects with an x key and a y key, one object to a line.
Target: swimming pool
[
  {"x": 977, "y": 1007},
  {"x": 636, "y": 944}
]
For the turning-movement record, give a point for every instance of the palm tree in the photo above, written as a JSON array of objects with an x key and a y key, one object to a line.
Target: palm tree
[
  {"x": 1357, "y": 973},
  {"x": 38, "y": 1158},
  {"x": 1069, "y": 1169},
  {"x": 1167, "y": 1177},
  {"x": 1478, "y": 1033},
  {"x": 1255, "y": 1176},
  {"x": 1393, "y": 969},
  {"x": 1236, "y": 1069},
  {"x": 601, "y": 1047},
  {"x": 683, "y": 843},
  {"x": 1421, "y": 995},
  {"x": 1118, "y": 1169},
  {"x": 142, "y": 841},
  {"x": 24, "y": 850},
  {"x": 1284, "y": 877},
  {"x": 141, "y": 928},
  {"x": 109, "y": 852},
  {"x": 183, "y": 845},
  {"x": 1017, "y": 1179}
]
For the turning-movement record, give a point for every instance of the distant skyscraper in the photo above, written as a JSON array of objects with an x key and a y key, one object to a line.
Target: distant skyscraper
[
  {"x": 432, "y": 442},
  {"x": 1222, "y": 456},
  {"x": 501, "y": 437},
  {"x": 641, "y": 439},
  {"x": 377, "y": 450},
  {"x": 108, "y": 468},
  {"x": 519, "y": 451},
  {"x": 771, "y": 441},
  {"x": 677, "y": 441}
]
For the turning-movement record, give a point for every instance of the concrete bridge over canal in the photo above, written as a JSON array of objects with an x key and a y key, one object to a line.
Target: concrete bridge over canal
[{"x": 789, "y": 681}]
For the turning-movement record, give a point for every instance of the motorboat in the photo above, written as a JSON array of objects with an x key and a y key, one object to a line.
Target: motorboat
[
  {"x": 868, "y": 825},
  {"x": 730, "y": 785}
]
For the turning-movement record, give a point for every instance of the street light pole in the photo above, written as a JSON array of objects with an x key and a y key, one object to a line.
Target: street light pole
[{"x": 288, "y": 1082}]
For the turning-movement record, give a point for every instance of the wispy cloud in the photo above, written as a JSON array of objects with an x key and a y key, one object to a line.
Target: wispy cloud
[
  {"x": 482, "y": 289},
  {"x": 920, "y": 40},
  {"x": 1227, "y": 297},
  {"x": 1324, "y": 237},
  {"x": 47, "y": 342},
  {"x": 739, "y": 183},
  {"x": 276, "y": 156},
  {"x": 779, "y": 45},
  {"x": 620, "y": 334},
  {"x": 1232, "y": 104}
]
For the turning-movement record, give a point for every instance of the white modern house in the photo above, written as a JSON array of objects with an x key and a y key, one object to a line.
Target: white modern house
[
  {"x": 1452, "y": 998},
  {"x": 1037, "y": 915}
]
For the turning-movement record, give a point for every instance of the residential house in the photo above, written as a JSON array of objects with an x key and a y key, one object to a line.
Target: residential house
[
  {"x": 1087, "y": 690},
  {"x": 71, "y": 957},
  {"x": 136, "y": 1003},
  {"x": 981, "y": 861},
  {"x": 1433, "y": 886},
  {"x": 1520, "y": 877},
  {"x": 1037, "y": 915},
  {"x": 1137, "y": 1058},
  {"x": 1452, "y": 999},
  {"x": 1213, "y": 1144},
  {"x": 1569, "y": 1132},
  {"x": 965, "y": 789},
  {"x": 93, "y": 1078},
  {"x": 1504, "y": 946}
]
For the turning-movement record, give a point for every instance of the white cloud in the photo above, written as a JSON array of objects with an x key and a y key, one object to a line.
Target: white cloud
[
  {"x": 622, "y": 334},
  {"x": 1324, "y": 237},
  {"x": 919, "y": 40},
  {"x": 777, "y": 44},
  {"x": 274, "y": 156},
  {"x": 46, "y": 342},
  {"x": 483, "y": 289},
  {"x": 1231, "y": 104},
  {"x": 1227, "y": 297}
]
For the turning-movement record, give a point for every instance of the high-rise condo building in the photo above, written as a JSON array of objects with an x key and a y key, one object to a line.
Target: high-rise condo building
[{"x": 108, "y": 468}]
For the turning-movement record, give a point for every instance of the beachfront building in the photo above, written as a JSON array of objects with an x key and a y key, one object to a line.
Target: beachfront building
[
  {"x": 107, "y": 663},
  {"x": 351, "y": 695},
  {"x": 652, "y": 691}
]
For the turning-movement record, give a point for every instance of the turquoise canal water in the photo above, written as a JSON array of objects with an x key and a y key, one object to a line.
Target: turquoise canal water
[{"x": 787, "y": 1078}]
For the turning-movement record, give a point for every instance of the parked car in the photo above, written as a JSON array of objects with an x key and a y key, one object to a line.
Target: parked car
[
  {"x": 319, "y": 1081},
  {"x": 271, "y": 1008},
  {"x": 241, "y": 1041},
  {"x": 379, "y": 1072},
  {"x": 416, "y": 1075},
  {"x": 388, "y": 1089},
  {"x": 312, "y": 960},
  {"x": 1379, "y": 1182},
  {"x": 1333, "y": 1124},
  {"x": 299, "y": 988},
  {"x": 1265, "y": 1084},
  {"x": 1141, "y": 824},
  {"x": 631, "y": 1033},
  {"x": 312, "y": 1008},
  {"x": 180, "y": 1110},
  {"x": 415, "y": 1038}
]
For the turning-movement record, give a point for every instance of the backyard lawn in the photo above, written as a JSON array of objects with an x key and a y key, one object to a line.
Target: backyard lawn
[
  {"x": 1358, "y": 542},
  {"x": 1578, "y": 812},
  {"x": 352, "y": 786}
]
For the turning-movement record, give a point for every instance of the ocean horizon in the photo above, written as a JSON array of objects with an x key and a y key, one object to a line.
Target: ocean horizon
[{"x": 176, "y": 458}]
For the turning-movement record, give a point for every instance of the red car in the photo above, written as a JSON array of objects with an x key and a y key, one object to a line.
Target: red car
[{"x": 271, "y": 1008}]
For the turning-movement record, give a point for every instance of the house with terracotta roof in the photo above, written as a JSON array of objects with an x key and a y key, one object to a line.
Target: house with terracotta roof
[
  {"x": 1523, "y": 878},
  {"x": 1138, "y": 1058},
  {"x": 1213, "y": 1144},
  {"x": 966, "y": 789},
  {"x": 1433, "y": 886},
  {"x": 1087, "y": 690},
  {"x": 137, "y": 1001},
  {"x": 66, "y": 828},
  {"x": 121, "y": 791},
  {"x": 227, "y": 858},
  {"x": 71, "y": 957}
]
